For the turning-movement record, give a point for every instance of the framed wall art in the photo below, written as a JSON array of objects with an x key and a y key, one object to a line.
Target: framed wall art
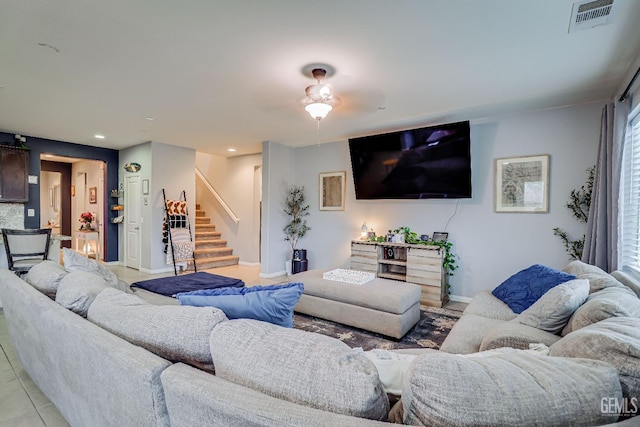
[
  {"x": 522, "y": 184},
  {"x": 93, "y": 195},
  {"x": 332, "y": 191}
]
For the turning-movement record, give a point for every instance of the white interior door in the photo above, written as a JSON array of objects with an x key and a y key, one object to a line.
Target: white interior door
[{"x": 132, "y": 221}]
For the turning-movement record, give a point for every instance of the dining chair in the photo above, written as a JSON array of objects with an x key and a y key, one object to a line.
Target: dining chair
[{"x": 26, "y": 248}]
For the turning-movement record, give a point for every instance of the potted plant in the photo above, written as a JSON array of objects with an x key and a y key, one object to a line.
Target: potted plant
[
  {"x": 297, "y": 209},
  {"x": 579, "y": 203}
]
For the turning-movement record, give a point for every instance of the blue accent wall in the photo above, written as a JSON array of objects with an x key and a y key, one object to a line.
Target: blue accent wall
[{"x": 59, "y": 148}]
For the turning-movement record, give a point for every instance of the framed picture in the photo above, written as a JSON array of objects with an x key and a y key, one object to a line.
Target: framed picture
[
  {"x": 332, "y": 191},
  {"x": 145, "y": 186},
  {"x": 440, "y": 236},
  {"x": 522, "y": 184},
  {"x": 93, "y": 195}
]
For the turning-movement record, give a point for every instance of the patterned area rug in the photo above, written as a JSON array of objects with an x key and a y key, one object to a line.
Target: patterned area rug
[{"x": 429, "y": 332}]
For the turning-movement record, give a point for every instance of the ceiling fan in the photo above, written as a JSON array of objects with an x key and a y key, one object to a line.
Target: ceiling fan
[
  {"x": 320, "y": 100},
  {"x": 329, "y": 92},
  {"x": 344, "y": 93}
]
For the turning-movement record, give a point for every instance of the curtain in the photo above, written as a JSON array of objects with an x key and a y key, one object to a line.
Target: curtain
[{"x": 601, "y": 239}]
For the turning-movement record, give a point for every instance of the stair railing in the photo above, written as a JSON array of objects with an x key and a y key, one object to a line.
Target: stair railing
[{"x": 215, "y": 194}]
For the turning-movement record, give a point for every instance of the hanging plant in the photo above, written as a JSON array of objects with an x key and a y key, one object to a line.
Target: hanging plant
[
  {"x": 296, "y": 208},
  {"x": 579, "y": 203}
]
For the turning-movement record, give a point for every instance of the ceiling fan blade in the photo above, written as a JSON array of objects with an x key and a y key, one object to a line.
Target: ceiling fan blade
[{"x": 357, "y": 96}]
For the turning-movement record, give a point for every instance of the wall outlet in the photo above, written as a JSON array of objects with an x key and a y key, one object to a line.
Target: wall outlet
[
  {"x": 31, "y": 212},
  {"x": 33, "y": 179}
]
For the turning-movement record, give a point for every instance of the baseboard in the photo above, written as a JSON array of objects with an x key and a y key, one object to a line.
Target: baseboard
[
  {"x": 459, "y": 298},
  {"x": 162, "y": 270},
  {"x": 249, "y": 264},
  {"x": 272, "y": 275}
]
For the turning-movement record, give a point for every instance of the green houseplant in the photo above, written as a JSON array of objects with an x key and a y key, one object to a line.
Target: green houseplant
[
  {"x": 296, "y": 208},
  {"x": 579, "y": 203}
]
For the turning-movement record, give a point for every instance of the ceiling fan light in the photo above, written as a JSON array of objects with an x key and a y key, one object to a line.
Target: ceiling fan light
[
  {"x": 318, "y": 110},
  {"x": 318, "y": 91}
]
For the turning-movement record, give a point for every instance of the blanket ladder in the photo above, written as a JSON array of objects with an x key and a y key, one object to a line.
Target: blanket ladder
[{"x": 174, "y": 221}]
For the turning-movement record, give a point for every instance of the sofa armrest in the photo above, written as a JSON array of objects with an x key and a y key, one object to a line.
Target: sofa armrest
[{"x": 515, "y": 335}]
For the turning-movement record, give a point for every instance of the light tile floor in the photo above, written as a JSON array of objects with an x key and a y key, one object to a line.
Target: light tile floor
[{"x": 22, "y": 404}]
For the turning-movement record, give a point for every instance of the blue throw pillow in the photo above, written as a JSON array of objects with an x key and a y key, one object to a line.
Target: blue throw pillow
[
  {"x": 524, "y": 288},
  {"x": 273, "y": 304}
]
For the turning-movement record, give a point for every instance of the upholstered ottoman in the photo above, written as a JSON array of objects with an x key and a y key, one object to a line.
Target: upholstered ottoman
[{"x": 388, "y": 307}]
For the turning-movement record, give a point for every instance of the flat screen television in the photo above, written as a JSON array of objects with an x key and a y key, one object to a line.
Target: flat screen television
[{"x": 425, "y": 163}]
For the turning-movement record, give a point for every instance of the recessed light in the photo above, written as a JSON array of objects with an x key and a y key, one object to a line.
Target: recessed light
[
  {"x": 149, "y": 118},
  {"x": 98, "y": 136},
  {"x": 231, "y": 150}
]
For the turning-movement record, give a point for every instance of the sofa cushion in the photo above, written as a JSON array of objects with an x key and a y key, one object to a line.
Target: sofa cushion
[
  {"x": 45, "y": 277},
  {"x": 515, "y": 335},
  {"x": 73, "y": 261},
  {"x": 486, "y": 305},
  {"x": 525, "y": 287},
  {"x": 598, "y": 278},
  {"x": 553, "y": 310},
  {"x": 273, "y": 304},
  {"x": 603, "y": 304},
  {"x": 179, "y": 334},
  {"x": 616, "y": 341},
  {"x": 467, "y": 334},
  {"x": 627, "y": 280},
  {"x": 78, "y": 290},
  {"x": 511, "y": 389},
  {"x": 298, "y": 366}
]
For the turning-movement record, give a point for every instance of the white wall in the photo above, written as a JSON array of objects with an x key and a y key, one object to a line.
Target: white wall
[
  {"x": 491, "y": 246},
  {"x": 277, "y": 175},
  {"x": 166, "y": 167},
  {"x": 234, "y": 179},
  {"x": 173, "y": 169}
]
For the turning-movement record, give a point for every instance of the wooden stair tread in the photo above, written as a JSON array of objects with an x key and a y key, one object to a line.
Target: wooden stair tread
[
  {"x": 214, "y": 251},
  {"x": 210, "y": 250}
]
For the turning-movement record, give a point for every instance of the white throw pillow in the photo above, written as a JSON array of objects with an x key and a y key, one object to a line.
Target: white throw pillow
[
  {"x": 552, "y": 311},
  {"x": 73, "y": 261},
  {"x": 392, "y": 368}
]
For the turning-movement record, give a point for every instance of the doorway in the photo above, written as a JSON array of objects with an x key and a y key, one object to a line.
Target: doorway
[
  {"x": 55, "y": 198},
  {"x": 78, "y": 178}
]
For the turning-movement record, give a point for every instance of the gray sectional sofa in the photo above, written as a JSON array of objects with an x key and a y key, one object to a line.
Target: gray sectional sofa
[{"x": 132, "y": 363}]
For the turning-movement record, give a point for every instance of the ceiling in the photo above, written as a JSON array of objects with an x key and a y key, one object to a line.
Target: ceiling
[{"x": 222, "y": 74}]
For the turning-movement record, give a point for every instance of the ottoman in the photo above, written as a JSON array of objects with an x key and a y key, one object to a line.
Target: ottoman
[{"x": 388, "y": 307}]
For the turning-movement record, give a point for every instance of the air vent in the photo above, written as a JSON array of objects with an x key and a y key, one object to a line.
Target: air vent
[{"x": 588, "y": 14}]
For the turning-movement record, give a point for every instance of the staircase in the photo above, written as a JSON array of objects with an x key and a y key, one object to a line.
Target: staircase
[{"x": 211, "y": 251}]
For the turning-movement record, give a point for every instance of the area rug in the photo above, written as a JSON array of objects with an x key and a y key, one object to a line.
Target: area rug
[{"x": 430, "y": 331}]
